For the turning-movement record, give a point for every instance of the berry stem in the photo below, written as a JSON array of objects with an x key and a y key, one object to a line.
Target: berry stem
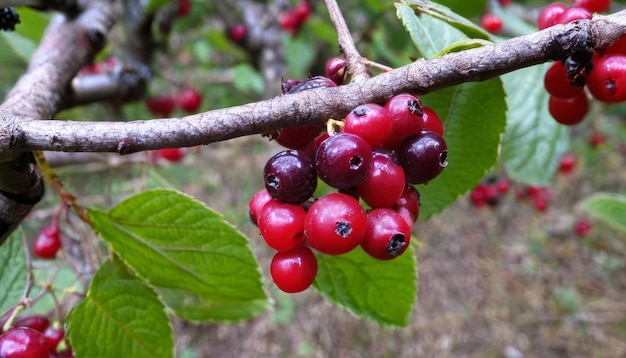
[
  {"x": 355, "y": 64},
  {"x": 380, "y": 66}
]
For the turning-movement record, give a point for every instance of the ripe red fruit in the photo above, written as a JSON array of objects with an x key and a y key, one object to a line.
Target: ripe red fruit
[
  {"x": 171, "y": 154},
  {"x": 48, "y": 242},
  {"x": 385, "y": 182},
  {"x": 38, "y": 323},
  {"x": 238, "y": 33},
  {"x": 569, "y": 111},
  {"x": 294, "y": 270},
  {"x": 23, "y": 342},
  {"x": 53, "y": 337},
  {"x": 582, "y": 228},
  {"x": 502, "y": 186},
  {"x": 161, "y": 105},
  {"x": 184, "y": 8},
  {"x": 302, "y": 11},
  {"x": 298, "y": 137},
  {"x": 282, "y": 225},
  {"x": 408, "y": 206},
  {"x": 256, "y": 204},
  {"x": 548, "y": 16},
  {"x": 335, "y": 224},
  {"x": 371, "y": 122},
  {"x": 423, "y": 157},
  {"x": 432, "y": 122},
  {"x": 290, "y": 22},
  {"x": 607, "y": 80},
  {"x": 618, "y": 48},
  {"x": 343, "y": 160},
  {"x": 573, "y": 14},
  {"x": 388, "y": 234},
  {"x": 190, "y": 100},
  {"x": 593, "y": 5},
  {"x": 491, "y": 23},
  {"x": 567, "y": 164},
  {"x": 336, "y": 69},
  {"x": 290, "y": 177},
  {"x": 406, "y": 112},
  {"x": 558, "y": 84},
  {"x": 596, "y": 139}
]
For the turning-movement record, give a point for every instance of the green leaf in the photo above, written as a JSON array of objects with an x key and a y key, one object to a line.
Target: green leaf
[
  {"x": 534, "y": 142},
  {"x": 120, "y": 317},
  {"x": 444, "y": 14},
  {"x": 298, "y": 66},
  {"x": 154, "y": 5},
  {"x": 176, "y": 242},
  {"x": 13, "y": 271},
  {"x": 474, "y": 116},
  {"x": 33, "y": 23},
  {"x": 462, "y": 46},
  {"x": 246, "y": 78},
  {"x": 610, "y": 208},
  {"x": 465, "y": 8},
  {"x": 197, "y": 308},
  {"x": 22, "y": 46},
  {"x": 383, "y": 291}
]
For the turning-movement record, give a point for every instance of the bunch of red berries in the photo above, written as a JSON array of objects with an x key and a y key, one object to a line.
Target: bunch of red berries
[
  {"x": 34, "y": 337},
  {"x": 372, "y": 157},
  {"x": 293, "y": 19},
  {"x": 602, "y": 72},
  {"x": 189, "y": 100},
  {"x": 489, "y": 192}
]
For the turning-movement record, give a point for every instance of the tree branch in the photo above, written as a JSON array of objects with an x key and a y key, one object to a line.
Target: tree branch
[{"x": 311, "y": 106}]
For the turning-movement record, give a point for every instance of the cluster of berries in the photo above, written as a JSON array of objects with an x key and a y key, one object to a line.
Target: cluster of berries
[
  {"x": 376, "y": 154},
  {"x": 34, "y": 337},
  {"x": 8, "y": 18},
  {"x": 189, "y": 100},
  {"x": 602, "y": 72},
  {"x": 293, "y": 19},
  {"x": 489, "y": 192}
]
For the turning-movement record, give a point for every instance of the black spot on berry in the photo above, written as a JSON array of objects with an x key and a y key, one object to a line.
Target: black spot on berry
[
  {"x": 343, "y": 229},
  {"x": 360, "y": 111},
  {"x": 443, "y": 159},
  {"x": 396, "y": 244},
  {"x": 415, "y": 108},
  {"x": 273, "y": 182},
  {"x": 356, "y": 162}
]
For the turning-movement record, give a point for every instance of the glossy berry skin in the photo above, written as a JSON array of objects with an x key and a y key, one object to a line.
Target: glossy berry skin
[
  {"x": 569, "y": 111},
  {"x": 491, "y": 23},
  {"x": 548, "y": 16},
  {"x": 558, "y": 84},
  {"x": 406, "y": 112},
  {"x": 423, "y": 157},
  {"x": 388, "y": 234},
  {"x": 161, "y": 106},
  {"x": 290, "y": 177},
  {"x": 618, "y": 48},
  {"x": 573, "y": 14},
  {"x": 593, "y": 5},
  {"x": 335, "y": 69},
  {"x": 432, "y": 122},
  {"x": 38, "y": 323},
  {"x": 607, "y": 80},
  {"x": 343, "y": 160},
  {"x": 385, "y": 182},
  {"x": 335, "y": 224},
  {"x": 371, "y": 122},
  {"x": 297, "y": 137},
  {"x": 190, "y": 100},
  {"x": 282, "y": 225},
  {"x": 53, "y": 336},
  {"x": 294, "y": 271},
  {"x": 256, "y": 204},
  {"x": 171, "y": 154},
  {"x": 48, "y": 242},
  {"x": 408, "y": 205},
  {"x": 23, "y": 342}
]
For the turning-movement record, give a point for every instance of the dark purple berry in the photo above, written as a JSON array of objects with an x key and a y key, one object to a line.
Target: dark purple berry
[
  {"x": 290, "y": 176},
  {"x": 295, "y": 86},
  {"x": 343, "y": 160},
  {"x": 423, "y": 157}
]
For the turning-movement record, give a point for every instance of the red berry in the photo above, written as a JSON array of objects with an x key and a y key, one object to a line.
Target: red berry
[
  {"x": 385, "y": 182},
  {"x": 423, "y": 157},
  {"x": 238, "y": 33},
  {"x": 53, "y": 337},
  {"x": 607, "y": 80},
  {"x": 335, "y": 224},
  {"x": 190, "y": 100},
  {"x": 48, "y": 242},
  {"x": 478, "y": 196},
  {"x": 336, "y": 70},
  {"x": 569, "y": 111},
  {"x": 38, "y": 323},
  {"x": 171, "y": 154},
  {"x": 502, "y": 186},
  {"x": 23, "y": 342},
  {"x": 343, "y": 160},
  {"x": 582, "y": 228},
  {"x": 618, "y": 48},
  {"x": 388, "y": 234},
  {"x": 548, "y": 16},
  {"x": 290, "y": 177},
  {"x": 406, "y": 112},
  {"x": 256, "y": 204},
  {"x": 408, "y": 206},
  {"x": 573, "y": 14},
  {"x": 596, "y": 139},
  {"x": 298, "y": 137},
  {"x": 184, "y": 8},
  {"x": 161, "y": 105},
  {"x": 282, "y": 225},
  {"x": 593, "y": 5},
  {"x": 491, "y": 23},
  {"x": 371, "y": 122},
  {"x": 540, "y": 203},
  {"x": 302, "y": 11},
  {"x": 558, "y": 84},
  {"x": 294, "y": 270},
  {"x": 568, "y": 161},
  {"x": 290, "y": 22},
  {"x": 504, "y": 2},
  {"x": 432, "y": 122}
]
